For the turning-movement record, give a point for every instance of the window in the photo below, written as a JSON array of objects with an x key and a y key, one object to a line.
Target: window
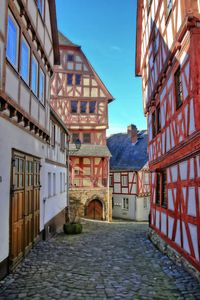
[
  {"x": 54, "y": 184},
  {"x": 145, "y": 203},
  {"x": 158, "y": 119},
  {"x": 83, "y": 107},
  {"x": 61, "y": 182},
  {"x": 25, "y": 58},
  {"x": 125, "y": 203},
  {"x": 178, "y": 88},
  {"x": 53, "y": 134},
  {"x": 42, "y": 84},
  {"x": 75, "y": 137},
  {"x": 78, "y": 79},
  {"x": 49, "y": 184},
  {"x": 124, "y": 180},
  {"x": 69, "y": 79},
  {"x": 158, "y": 188},
  {"x": 86, "y": 138},
  {"x": 92, "y": 107},
  {"x": 111, "y": 180},
  {"x": 34, "y": 76},
  {"x": 12, "y": 41},
  {"x": 62, "y": 141},
  {"x": 164, "y": 191},
  {"x": 169, "y": 7},
  {"x": 74, "y": 107},
  {"x": 153, "y": 124},
  {"x": 40, "y": 4},
  {"x": 70, "y": 57}
]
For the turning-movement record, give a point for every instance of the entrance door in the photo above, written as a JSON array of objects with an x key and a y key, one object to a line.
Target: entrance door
[
  {"x": 95, "y": 210},
  {"x": 24, "y": 205}
]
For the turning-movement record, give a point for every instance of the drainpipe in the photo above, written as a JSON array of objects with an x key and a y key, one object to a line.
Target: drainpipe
[{"x": 108, "y": 189}]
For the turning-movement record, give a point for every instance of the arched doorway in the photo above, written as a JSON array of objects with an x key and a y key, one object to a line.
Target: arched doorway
[{"x": 94, "y": 210}]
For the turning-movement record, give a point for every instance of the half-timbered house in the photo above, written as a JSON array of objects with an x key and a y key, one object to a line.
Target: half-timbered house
[
  {"x": 167, "y": 58},
  {"x": 28, "y": 52},
  {"x": 129, "y": 174},
  {"x": 81, "y": 100}
]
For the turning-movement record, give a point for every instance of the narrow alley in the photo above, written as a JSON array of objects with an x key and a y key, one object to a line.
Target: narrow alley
[{"x": 107, "y": 261}]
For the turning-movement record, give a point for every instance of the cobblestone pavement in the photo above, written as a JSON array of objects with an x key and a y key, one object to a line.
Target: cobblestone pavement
[{"x": 107, "y": 261}]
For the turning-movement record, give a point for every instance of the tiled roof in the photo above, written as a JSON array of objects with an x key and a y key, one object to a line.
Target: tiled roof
[
  {"x": 125, "y": 155},
  {"x": 90, "y": 150},
  {"x": 63, "y": 40}
]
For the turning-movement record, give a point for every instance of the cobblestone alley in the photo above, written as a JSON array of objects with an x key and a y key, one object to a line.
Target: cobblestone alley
[{"x": 107, "y": 261}]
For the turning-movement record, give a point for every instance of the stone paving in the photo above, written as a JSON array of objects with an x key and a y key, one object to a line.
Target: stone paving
[{"x": 107, "y": 261}]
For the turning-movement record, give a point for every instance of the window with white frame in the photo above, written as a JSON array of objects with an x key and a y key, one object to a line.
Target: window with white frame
[
  {"x": 12, "y": 41},
  {"x": 34, "y": 76},
  {"x": 125, "y": 203},
  {"x": 54, "y": 184},
  {"x": 124, "y": 178},
  {"x": 61, "y": 182},
  {"x": 41, "y": 87},
  {"x": 49, "y": 184},
  {"x": 25, "y": 60}
]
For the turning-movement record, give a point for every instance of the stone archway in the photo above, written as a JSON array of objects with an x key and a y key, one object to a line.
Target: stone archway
[{"x": 94, "y": 209}]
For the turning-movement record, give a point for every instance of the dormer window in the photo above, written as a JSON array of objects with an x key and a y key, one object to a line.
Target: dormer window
[
  {"x": 40, "y": 5},
  {"x": 70, "y": 57}
]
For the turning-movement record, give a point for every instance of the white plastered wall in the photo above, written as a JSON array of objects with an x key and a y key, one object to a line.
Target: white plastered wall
[
  {"x": 142, "y": 208},
  {"x": 119, "y": 212}
]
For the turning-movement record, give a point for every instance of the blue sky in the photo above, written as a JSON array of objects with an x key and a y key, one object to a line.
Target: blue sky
[{"x": 106, "y": 30}]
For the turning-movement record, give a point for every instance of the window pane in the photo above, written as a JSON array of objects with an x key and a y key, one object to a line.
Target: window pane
[
  {"x": 69, "y": 79},
  {"x": 70, "y": 57},
  {"x": 41, "y": 91},
  {"x": 92, "y": 107},
  {"x": 25, "y": 61},
  {"x": 12, "y": 42},
  {"x": 34, "y": 76},
  {"x": 86, "y": 138},
  {"x": 78, "y": 79},
  {"x": 83, "y": 106},
  {"x": 74, "y": 105},
  {"x": 75, "y": 137}
]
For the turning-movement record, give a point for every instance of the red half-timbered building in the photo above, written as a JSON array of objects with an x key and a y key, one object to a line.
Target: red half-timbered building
[
  {"x": 81, "y": 100},
  {"x": 167, "y": 58},
  {"x": 129, "y": 174}
]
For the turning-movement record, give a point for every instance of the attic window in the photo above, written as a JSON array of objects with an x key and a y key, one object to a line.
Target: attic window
[{"x": 70, "y": 57}]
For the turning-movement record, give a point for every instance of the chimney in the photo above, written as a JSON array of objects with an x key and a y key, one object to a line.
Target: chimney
[{"x": 132, "y": 132}]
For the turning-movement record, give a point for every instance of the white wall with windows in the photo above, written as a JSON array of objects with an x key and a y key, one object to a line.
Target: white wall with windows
[
  {"x": 124, "y": 206},
  {"x": 55, "y": 191}
]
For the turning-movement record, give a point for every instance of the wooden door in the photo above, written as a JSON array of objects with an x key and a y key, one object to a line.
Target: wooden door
[
  {"x": 24, "y": 205},
  {"x": 95, "y": 210}
]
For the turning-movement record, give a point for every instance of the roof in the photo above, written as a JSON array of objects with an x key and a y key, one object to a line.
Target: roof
[
  {"x": 138, "y": 38},
  {"x": 125, "y": 155},
  {"x": 54, "y": 30},
  {"x": 90, "y": 150},
  {"x": 64, "y": 41}
]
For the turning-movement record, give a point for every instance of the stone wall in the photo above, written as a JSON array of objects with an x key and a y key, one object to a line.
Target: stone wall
[
  {"x": 80, "y": 198},
  {"x": 172, "y": 253}
]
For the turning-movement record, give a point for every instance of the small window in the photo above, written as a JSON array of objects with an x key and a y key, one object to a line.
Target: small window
[
  {"x": 69, "y": 79},
  {"x": 70, "y": 57},
  {"x": 158, "y": 119},
  {"x": 164, "y": 190},
  {"x": 49, "y": 184},
  {"x": 111, "y": 180},
  {"x": 75, "y": 137},
  {"x": 62, "y": 141},
  {"x": 169, "y": 7},
  {"x": 78, "y": 79},
  {"x": 61, "y": 182},
  {"x": 124, "y": 180},
  {"x": 158, "y": 178},
  {"x": 178, "y": 88},
  {"x": 125, "y": 203},
  {"x": 54, "y": 184},
  {"x": 153, "y": 124},
  {"x": 12, "y": 41},
  {"x": 92, "y": 107},
  {"x": 34, "y": 76},
  {"x": 40, "y": 5},
  {"x": 25, "y": 58},
  {"x": 83, "y": 107},
  {"x": 41, "y": 89},
  {"x": 86, "y": 138},
  {"x": 74, "y": 107},
  {"x": 53, "y": 134}
]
